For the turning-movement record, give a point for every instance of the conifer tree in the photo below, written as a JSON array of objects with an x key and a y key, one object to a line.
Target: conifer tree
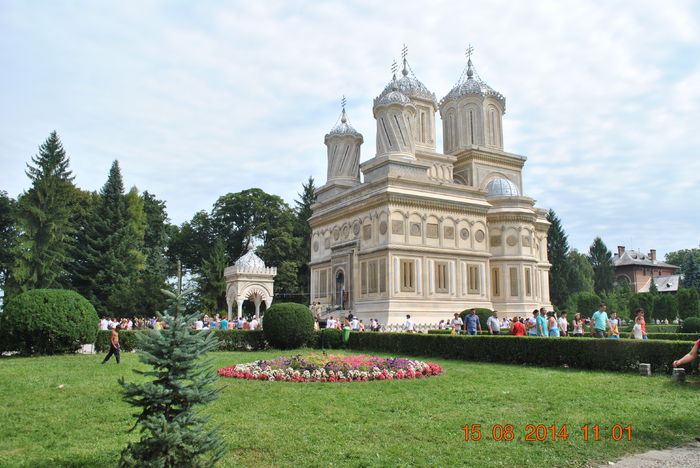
[
  {"x": 107, "y": 262},
  {"x": 603, "y": 267},
  {"x": 557, "y": 251},
  {"x": 212, "y": 284},
  {"x": 173, "y": 432},
  {"x": 303, "y": 230},
  {"x": 691, "y": 272},
  {"x": 44, "y": 220}
]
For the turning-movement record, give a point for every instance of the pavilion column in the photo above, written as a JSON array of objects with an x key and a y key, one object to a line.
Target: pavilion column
[
  {"x": 257, "y": 302},
  {"x": 229, "y": 305},
  {"x": 240, "y": 308}
]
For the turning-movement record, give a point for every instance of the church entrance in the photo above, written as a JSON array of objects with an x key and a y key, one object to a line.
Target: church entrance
[{"x": 341, "y": 296}]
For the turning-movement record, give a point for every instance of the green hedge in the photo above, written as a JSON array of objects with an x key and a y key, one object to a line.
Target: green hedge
[
  {"x": 582, "y": 353},
  {"x": 673, "y": 336},
  {"x": 229, "y": 340},
  {"x": 504, "y": 331}
]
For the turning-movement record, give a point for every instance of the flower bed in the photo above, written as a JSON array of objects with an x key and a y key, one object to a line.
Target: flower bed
[{"x": 331, "y": 368}]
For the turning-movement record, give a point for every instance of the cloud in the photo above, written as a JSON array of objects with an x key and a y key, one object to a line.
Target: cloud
[{"x": 197, "y": 100}]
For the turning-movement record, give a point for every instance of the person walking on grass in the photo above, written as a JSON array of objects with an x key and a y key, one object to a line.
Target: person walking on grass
[
  {"x": 687, "y": 359},
  {"x": 114, "y": 346}
]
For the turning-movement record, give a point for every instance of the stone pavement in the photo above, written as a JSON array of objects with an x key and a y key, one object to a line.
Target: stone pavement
[{"x": 686, "y": 456}]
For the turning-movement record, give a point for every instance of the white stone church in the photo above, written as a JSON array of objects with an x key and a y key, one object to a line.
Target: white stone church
[{"x": 427, "y": 233}]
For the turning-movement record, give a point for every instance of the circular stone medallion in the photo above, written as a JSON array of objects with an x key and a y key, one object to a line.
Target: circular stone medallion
[
  {"x": 464, "y": 233},
  {"x": 356, "y": 228},
  {"x": 511, "y": 240},
  {"x": 382, "y": 227},
  {"x": 479, "y": 236},
  {"x": 346, "y": 231},
  {"x": 315, "y": 246}
]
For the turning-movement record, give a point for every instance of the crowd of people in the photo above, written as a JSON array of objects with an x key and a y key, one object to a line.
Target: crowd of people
[
  {"x": 546, "y": 323},
  {"x": 350, "y": 321},
  {"x": 203, "y": 323}
]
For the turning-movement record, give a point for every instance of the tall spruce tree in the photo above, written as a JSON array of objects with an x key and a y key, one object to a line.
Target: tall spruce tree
[
  {"x": 557, "y": 251},
  {"x": 603, "y": 268},
  {"x": 107, "y": 261},
  {"x": 44, "y": 220},
  {"x": 303, "y": 211},
  {"x": 173, "y": 432},
  {"x": 212, "y": 284},
  {"x": 691, "y": 272}
]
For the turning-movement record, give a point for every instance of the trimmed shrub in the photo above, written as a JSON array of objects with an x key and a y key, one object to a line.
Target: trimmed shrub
[
  {"x": 330, "y": 338},
  {"x": 691, "y": 325},
  {"x": 673, "y": 336},
  {"x": 288, "y": 325},
  {"x": 47, "y": 321},
  {"x": 582, "y": 353},
  {"x": 229, "y": 340}
]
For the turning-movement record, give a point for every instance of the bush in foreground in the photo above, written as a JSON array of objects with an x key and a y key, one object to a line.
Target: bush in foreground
[
  {"x": 288, "y": 325},
  {"x": 173, "y": 433},
  {"x": 47, "y": 321}
]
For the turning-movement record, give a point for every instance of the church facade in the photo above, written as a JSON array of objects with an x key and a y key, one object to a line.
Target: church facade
[{"x": 422, "y": 232}]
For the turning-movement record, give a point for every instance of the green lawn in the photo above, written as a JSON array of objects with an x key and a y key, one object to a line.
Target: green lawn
[{"x": 390, "y": 423}]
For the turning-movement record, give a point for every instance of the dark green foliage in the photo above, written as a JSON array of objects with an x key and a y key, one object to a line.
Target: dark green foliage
[
  {"x": 688, "y": 302},
  {"x": 557, "y": 251},
  {"x": 211, "y": 281},
  {"x": 673, "y": 336},
  {"x": 603, "y": 269},
  {"x": 691, "y": 272},
  {"x": 44, "y": 220},
  {"x": 47, "y": 321},
  {"x": 579, "y": 276},
  {"x": 328, "y": 338},
  {"x": 643, "y": 300},
  {"x": 173, "y": 433},
  {"x": 288, "y": 325},
  {"x": 229, "y": 340},
  {"x": 581, "y": 353},
  {"x": 8, "y": 235},
  {"x": 108, "y": 260},
  {"x": 653, "y": 289},
  {"x": 665, "y": 307},
  {"x": 192, "y": 240},
  {"x": 679, "y": 257},
  {"x": 618, "y": 299},
  {"x": 303, "y": 231},
  {"x": 691, "y": 325},
  {"x": 584, "y": 303}
]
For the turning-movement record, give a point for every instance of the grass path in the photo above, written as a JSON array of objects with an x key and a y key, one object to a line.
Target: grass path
[{"x": 391, "y": 423}]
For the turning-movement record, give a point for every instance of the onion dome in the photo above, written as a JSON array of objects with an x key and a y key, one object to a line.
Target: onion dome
[
  {"x": 394, "y": 96},
  {"x": 471, "y": 84},
  {"x": 250, "y": 260},
  {"x": 408, "y": 85},
  {"x": 343, "y": 127},
  {"x": 502, "y": 188}
]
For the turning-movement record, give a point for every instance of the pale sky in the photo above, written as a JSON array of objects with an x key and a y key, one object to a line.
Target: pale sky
[{"x": 198, "y": 99}]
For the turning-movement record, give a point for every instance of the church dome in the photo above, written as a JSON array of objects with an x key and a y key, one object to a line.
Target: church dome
[
  {"x": 471, "y": 84},
  {"x": 502, "y": 188},
  {"x": 392, "y": 97},
  {"x": 343, "y": 127},
  {"x": 250, "y": 261},
  {"x": 409, "y": 86}
]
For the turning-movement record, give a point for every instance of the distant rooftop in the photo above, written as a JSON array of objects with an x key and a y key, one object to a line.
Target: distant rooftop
[
  {"x": 669, "y": 283},
  {"x": 632, "y": 257}
]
